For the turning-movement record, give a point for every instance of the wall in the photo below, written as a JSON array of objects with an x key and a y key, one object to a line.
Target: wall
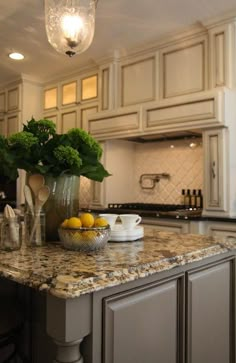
[{"x": 126, "y": 161}]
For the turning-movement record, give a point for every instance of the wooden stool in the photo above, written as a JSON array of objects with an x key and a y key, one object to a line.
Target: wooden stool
[{"x": 11, "y": 324}]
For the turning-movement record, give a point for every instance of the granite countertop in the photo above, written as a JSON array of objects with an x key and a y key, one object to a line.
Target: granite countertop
[{"x": 69, "y": 274}]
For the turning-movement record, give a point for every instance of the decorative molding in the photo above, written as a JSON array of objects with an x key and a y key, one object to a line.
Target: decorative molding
[
  {"x": 105, "y": 82},
  {"x": 226, "y": 18}
]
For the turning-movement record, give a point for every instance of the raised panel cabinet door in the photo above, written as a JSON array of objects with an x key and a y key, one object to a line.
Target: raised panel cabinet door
[
  {"x": 54, "y": 119},
  {"x": 50, "y": 98},
  {"x": 209, "y": 315},
  {"x": 2, "y": 102},
  {"x": 69, "y": 93},
  {"x": 215, "y": 169},
  {"x": 2, "y": 126},
  {"x": 138, "y": 82},
  {"x": 13, "y": 99},
  {"x": 12, "y": 124},
  {"x": 184, "y": 68},
  {"x": 142, "y": 325},
  {"x": 89, "y": 88},
  {"x": 68, "y": 120}
]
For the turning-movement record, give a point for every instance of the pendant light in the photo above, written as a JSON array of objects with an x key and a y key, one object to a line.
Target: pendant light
[{"x": 70, "y": 24}]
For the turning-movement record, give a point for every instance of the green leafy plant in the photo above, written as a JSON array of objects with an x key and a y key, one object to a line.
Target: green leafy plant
[{"x": 39, "y": 149}]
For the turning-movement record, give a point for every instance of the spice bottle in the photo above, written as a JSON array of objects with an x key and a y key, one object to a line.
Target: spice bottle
[
  {"x": 193, "y": 199},
  {"x": 187, "y": 199},
  {"x": 182, "y": 197},
  {"x": 199, "y": 199}
]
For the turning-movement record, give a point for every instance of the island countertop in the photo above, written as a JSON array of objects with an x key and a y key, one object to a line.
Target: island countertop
[{"x": 69, "y": 274}]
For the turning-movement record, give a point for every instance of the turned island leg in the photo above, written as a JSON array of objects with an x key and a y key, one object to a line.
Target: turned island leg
[
  {"x": 68, "y": 352},
  {"x": 68, "y": 322}
]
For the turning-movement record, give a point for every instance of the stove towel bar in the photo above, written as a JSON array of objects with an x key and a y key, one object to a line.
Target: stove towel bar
[{"x": 154, "y": 178}]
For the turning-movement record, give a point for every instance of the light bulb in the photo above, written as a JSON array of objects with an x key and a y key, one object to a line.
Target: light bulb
[
  {"x": 70, "y": 24},
  {"x": 16, "y": 56},
  {"x": 72, "y": 27},
  {"x": 192, "y": 145}
]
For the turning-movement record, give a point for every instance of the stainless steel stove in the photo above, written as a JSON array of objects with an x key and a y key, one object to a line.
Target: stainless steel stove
[
  {"x": 155, "y": 210},
  {"x": 145, "y": 206}
]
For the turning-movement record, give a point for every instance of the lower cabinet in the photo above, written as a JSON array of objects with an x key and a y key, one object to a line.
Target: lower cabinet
[
  {"x": 142, "y": 325},
  {"x": 186, "y": 319},
  {"x": 210, "y": 315}
]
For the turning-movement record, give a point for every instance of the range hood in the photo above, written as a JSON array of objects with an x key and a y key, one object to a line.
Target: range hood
[{"x": 177, "y": 135}]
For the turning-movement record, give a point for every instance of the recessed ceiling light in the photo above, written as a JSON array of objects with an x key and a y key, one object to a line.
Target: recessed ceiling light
[{"x": 16, "y": 56}]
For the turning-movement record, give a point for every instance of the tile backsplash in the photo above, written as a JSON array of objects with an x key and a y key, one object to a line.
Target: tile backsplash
[{"x": 184, "y": 164}]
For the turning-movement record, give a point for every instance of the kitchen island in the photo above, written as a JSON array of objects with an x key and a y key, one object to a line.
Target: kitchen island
[{"x": 145, "y": 301}]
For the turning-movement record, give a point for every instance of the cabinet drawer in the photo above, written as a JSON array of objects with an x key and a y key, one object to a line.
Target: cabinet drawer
[
  {"x": 219, "y": 230},
  {"x": 168, "y": 226}
]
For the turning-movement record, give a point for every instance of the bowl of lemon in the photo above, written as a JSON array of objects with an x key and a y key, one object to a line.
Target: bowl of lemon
[{"x": 84, "y": 233}]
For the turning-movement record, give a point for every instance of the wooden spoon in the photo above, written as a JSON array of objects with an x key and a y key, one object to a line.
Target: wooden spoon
[
  {"x": 42, "y": 197},
  {"x": 28, "y": 198},
  {"x": 36, "y": 181}
]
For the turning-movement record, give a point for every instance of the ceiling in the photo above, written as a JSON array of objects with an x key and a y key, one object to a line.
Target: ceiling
[{"x": 120, "y": 25}]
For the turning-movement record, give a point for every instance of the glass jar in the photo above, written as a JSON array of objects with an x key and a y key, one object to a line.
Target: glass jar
[
  {"x": 11, "y": 234},
  {"x": 34, "y": 229}
]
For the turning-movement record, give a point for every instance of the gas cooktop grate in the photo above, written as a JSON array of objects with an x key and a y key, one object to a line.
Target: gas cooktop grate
[{"x": 145, "y": 206}]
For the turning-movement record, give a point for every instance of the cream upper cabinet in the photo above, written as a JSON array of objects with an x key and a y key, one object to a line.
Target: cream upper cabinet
[
  {"x": 89, "y": 88},
  {"x": 138, "y": 81},
  {"x": 10, "y": 99},
  {"x": 13, "y": 99},
  {"x": 215, "y": 144},
  {"x": 50, "y": 98},
  {"x": 69, "y": 93},
  {"x": 68, "y": 104},
  {"x": 222, "y": 70},
  {"x": 3, "y": 130},
  {"x": 68, "y": 119},
  {"x": 2, "y": 102},
  {"x": 183, "y": 68},
  {"x": 85, "y": 112},
  {"x": 12, "y": 123}
]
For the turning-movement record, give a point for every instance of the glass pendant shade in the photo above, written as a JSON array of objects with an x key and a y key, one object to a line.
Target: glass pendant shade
[{"x": 70, "y": 24}]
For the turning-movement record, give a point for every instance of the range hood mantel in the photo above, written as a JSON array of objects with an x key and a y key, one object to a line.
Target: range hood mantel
[{"x": 167, "y": 117}]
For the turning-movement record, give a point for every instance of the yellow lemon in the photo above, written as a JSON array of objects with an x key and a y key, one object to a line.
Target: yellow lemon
[
  {"x": 64, "y": 223},
  {"x": 87, "y": 220},
  {"x": 87, "y": 235},
  {"x": 74, "y": 222},
  {"x": 100, "y": 222}
]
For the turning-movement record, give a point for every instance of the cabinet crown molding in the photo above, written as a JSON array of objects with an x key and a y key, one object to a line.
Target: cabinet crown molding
[{"x": 227, "y": 18}]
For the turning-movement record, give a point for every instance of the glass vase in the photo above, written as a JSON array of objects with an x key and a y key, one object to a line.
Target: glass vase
[
  {"x": 34, "y": 229},
  {"x": 62, "y": 203}
]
